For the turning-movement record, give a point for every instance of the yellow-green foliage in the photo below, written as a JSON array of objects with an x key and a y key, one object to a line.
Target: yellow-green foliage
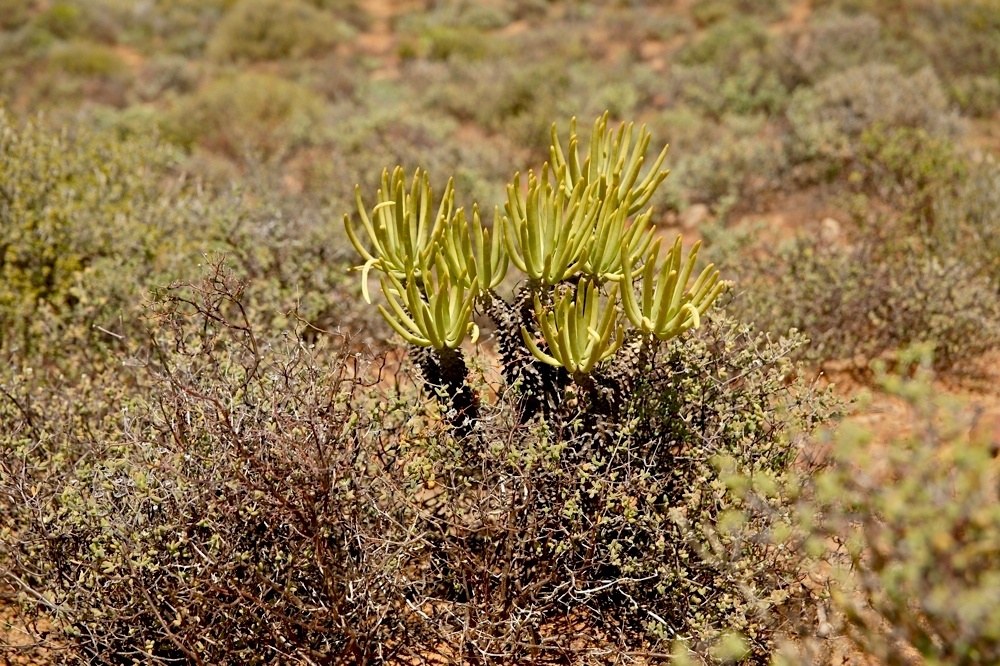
[
  {"x": 248, "y": 113},
  {"x": 178, "y": 26},
  {"x": 737, "y": 66},
  {"x": 666, "y": 307},
  {"x": 82, "y": 58},
  {"x": 81, "y": 219},
  {"x": 62, "y": 20},
  {"x": 706, "y": 12},
  {"x": 573, "y": 222},
  {"x": 274, "y": 29},
  {"x": 14, "y": 14},
  {"x": 828, "y": 120},
  {"x": 580, "y": 330},
  {"x": 969, "y": 219},
  {"x": 919, "y": 524},
  {"x": 91, "y": 222}
]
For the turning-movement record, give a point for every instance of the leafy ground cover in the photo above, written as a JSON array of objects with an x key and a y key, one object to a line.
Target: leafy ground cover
[{"x": 209, "y": 441}]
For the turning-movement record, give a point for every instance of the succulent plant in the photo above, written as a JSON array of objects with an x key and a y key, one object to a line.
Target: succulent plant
[
  {"x": 401, "y": 228},
  {"x": 548, "y": 229},
  {"x": 439, "y": 315},
  {"x": 477, "y": 260},
  {"x": 666, "y": 308},
  {"x": 614, "y": 236},
  {"x": 612, "y": 164},
  {"x": 613, "y": 159},
  {"x": 579, "y": 330},
  {"x": 578, "y": 232}
]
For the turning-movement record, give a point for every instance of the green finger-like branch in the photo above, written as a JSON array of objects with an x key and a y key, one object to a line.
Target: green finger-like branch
[
  {"x": 402, "y": 226},
  {"x": 617, "y": 157},
  {"x": 475, "y": 258},
  {"x": 610, "y": 171},
  {"x": 579, "y": 329},
  {"x": 666, "y": 307},
  {"x": 431, "y": 310},
  {"x": 547, "y": 229}
]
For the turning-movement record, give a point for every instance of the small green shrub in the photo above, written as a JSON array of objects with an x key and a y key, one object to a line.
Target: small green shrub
[
  {"x": 90, "y": 221},
  {"x": 182, "y": 27},
  {"x": 976, "y": 95},
  {"x": 504, "y": 95},
  {"x": 14, "y": 14},
  {"x": 827, "y": 120},
  {"x": 969, "y": 220},
  {"x": 707, "y": 12},
  {"x": 869, "y": 300},
  {"x": 63, "y": 20},
  {"x": 731, "y": 164},
  {"x": 248, "y": 114},
  {"x": 255, "y": 30},
  {"x": 956, "y": 38},
  {"x": 836, "y": 42},
  {"x": 86, "y": 59},
  {"x": 484, "y": 17},
  {"x": 735, "y": 67},
  {"x": 909, "y": 170},
  {"x": 463, "y": 44},
  {"x": 917, "y": 521},
  {"x": 80, "y": 221},
  {"x": 162, "y": 77},
  {"x": 350, "y": 11}
]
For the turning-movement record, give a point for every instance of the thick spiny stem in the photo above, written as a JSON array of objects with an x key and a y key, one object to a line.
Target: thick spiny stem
[
  {"x": 446, "y": 376},
  {"x": 619, "y": 379},
  {"x": 539, "y": 386}
]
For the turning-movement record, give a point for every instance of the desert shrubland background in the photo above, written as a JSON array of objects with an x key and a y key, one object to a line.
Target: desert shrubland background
[{"x": 213, "y": 450}]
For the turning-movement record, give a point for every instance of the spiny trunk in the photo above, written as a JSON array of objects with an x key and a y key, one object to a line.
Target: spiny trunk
[
  {"x": 613, "y": 384},
  {"x": 539, "y": 386},
  {"x": 445, "y": 375}
]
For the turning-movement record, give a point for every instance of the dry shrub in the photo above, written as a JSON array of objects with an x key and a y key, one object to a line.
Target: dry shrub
[
  {"x": 82, "y": 58},
  {"x": 969, "y": 219},
  {"x": 836, "y": 41},
  {"x": 90, "y": 221},
  {"x": 248, "y": 115},
  {"x": 917, "y": 522},
  {"x": 81, "y": 217},
  {"x": 706, "y": 12},
  {"x": 827, "y": 120},
  {"x": 869, "y": 300},
  {"x": 737, "y": 66},
  {"x": 226, "y": 519},
  {"x": 232, "y": 495},
  {"x": 255, "y": 30}
]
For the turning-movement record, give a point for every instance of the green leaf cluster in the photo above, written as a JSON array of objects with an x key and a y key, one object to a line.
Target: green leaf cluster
[
  {"x": 580, "y": 331},
  {"x": 581, "y": 224},
  {"x": 665, "y": 309},
  {"x": 434, "y": 265}
]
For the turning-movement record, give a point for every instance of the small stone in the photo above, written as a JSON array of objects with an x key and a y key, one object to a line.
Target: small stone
[
  {"x": 829, "y": 231},
  {"x": 693, "y": 217}
]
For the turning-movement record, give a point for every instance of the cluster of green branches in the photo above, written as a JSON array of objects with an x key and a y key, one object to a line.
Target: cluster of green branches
[{"x": 581, "y": 235}]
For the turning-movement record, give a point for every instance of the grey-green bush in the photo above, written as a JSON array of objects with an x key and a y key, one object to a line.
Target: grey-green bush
[
  {"x": 827, "y": 120},
  {"x": 916, "y": 521},
  {"x": 255, "y": 30},
  {"x": 256, "y": 487}
]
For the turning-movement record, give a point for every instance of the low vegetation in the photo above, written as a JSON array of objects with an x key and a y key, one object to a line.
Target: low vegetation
[{"x": 486, "y": 424}]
